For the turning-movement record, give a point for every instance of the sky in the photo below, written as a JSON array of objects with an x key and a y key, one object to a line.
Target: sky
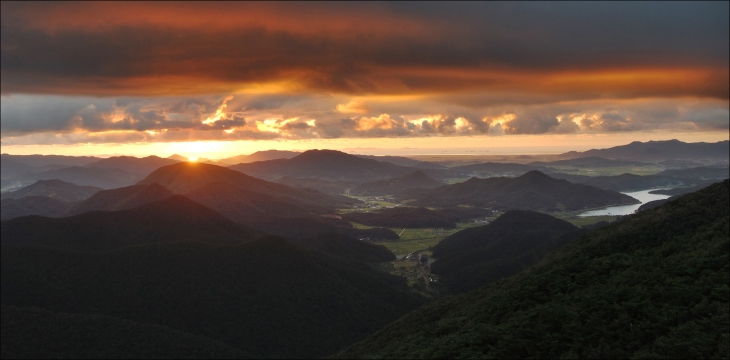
[{"x": 220, "y": 79}]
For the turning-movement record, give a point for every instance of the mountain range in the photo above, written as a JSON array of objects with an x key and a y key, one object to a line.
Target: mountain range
[
  {"x": 417, "y": 217},
  {"x": 32, "y": 205},
  {"x": 416, "y": 180},
  {"x": 531, "y": 191},
  {"x": 327, "y": 165},
  {"x": 171, "y": 220},
  {"x": 138, "y": 166},
  {"x": 658, "y": 150},
  {"x": 513, "y": 242},
  {"x": 266, "y": 298},
  {"x": 54, "y": 188},
  {"x": 653, "y": 285}
]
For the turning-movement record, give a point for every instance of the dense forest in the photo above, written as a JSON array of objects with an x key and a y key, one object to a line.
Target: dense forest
[
  {"x": 531, "y": 191},
  {"x": 417, "y": 217},
  {"x": 653, "y": 285},
  {"x": 268, "y": 298},
  {"x": 33, "y": 333},
  {"x": 513, "y": 242}
]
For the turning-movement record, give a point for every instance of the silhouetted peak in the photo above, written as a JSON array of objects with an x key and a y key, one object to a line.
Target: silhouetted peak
[
  {"x": 531, "y": 220},
  {"x": 52, "y": 182},
  {"x": 535, "y": 175},
  {"x": 177, "y": 157},
  {"x": 323, "y": 154}
]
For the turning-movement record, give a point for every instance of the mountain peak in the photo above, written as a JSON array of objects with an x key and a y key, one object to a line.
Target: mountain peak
[
  {"x": 177, "y": 157},
  {"x": 535, "y": 175}
]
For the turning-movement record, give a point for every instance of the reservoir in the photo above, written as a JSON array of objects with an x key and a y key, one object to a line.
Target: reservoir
[{"x": 642, "y": 196}]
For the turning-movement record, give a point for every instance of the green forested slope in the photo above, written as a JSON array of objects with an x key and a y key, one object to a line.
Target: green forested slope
[
  {"x": 652, "y": 286},
  {"x": 267, "y": 298},
  {"x": 174, "y": 219},
  {"x": 34, "y": 333},
  {"x": 513, "y": 242}
]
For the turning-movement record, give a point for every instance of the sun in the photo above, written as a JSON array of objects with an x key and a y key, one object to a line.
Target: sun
[{"x": 193, "y": 159}]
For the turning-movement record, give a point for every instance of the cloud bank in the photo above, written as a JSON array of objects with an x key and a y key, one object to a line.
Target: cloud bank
[{"x": 140, "y": 72}]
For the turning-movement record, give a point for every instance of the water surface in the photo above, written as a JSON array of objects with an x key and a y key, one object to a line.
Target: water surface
[{"x": 642, "y": 196}]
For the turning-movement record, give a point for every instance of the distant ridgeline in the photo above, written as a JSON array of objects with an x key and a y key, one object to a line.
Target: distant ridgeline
[
  {"x": 654, "y": 285},
  {"x": 531, "y": 191}
]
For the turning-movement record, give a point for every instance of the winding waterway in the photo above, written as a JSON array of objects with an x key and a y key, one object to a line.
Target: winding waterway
[{"x": 642, "y": 196}]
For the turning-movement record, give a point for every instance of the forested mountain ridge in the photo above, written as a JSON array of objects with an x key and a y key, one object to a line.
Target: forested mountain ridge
[
  {"x": 141, "y": 166},
  {"x": 531, "y": 191},
  {"x": 173, "y": 219},
  {"x": 57, "y": 189},
  {"x": 417, "y": 217},
  {"x": 268, "y": 298},
  {"x": 182, "y": 178},
  {"x": 513, "y": 242},
  {"x": 32, "y": 205},
  {"x": 41, "y": 334},
  {"x": 653, "y": 285},
  {"x": 415, "y": 180},
  {"x": 127, "y": 197},
  {"x": 330, "y": 165},
  {"x": 653, "y": 150}
]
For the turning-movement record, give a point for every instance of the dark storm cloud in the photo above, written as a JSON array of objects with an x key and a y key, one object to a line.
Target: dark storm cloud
[
  {"x": 163, "y": 48},
  {"x": 96, "y": 72}
]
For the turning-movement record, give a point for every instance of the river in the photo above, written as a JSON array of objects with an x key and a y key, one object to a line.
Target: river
[{"x": 642, "y": 196}]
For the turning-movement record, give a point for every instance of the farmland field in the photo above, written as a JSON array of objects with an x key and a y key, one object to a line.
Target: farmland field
[{"x": 418, "y": 239}]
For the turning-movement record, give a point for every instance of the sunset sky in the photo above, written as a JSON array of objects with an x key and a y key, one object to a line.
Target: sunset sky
[{"x": 221, "y": 79}]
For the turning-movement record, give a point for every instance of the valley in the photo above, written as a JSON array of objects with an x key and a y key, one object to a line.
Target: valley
[{"x": 406, "y": 240}]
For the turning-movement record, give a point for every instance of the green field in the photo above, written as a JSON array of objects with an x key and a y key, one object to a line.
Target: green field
[{"x": 418, "y": 239}]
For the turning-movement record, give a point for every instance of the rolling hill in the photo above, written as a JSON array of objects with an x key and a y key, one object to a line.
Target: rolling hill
[
  {"x": 404, "y": 161},
  {"x": 268, "y": 298},
  {"x": 174, "y": 219},
  {"x": 531, "y": 191},
  {"x": 513, "y": 242},
  {"x": 11, "y": 169},
  {"x": 273, "y": 208},
  {"x": 138, "y": 166},
  {"x": 659, "y": 150},
  {"x": 701, "y": 176},
  {"x": 323, "y": 186},
  {"x": 651, "y": 286},
  {"x": 594, "y": 161},
  {"x": 38, "y": 161},
  {"x": 127, "y": 197},
  {"x": 345, "y": 247},
  {"x": 623, "y": 182},
  {"x": 261, "y": 156},
  {"x": 417, "y": 217},
  {"x": 327, "y": 165},
  {"x": 54, "y": 188},
  {"x": 87, "y": 176},
  {"x": 415, "y": 180},
  {"x": 31, "y": 333},
  {"x": 492, "y": 169},
  {"x": 32, "y": 205},
  {"x": 181, "y": 178}
]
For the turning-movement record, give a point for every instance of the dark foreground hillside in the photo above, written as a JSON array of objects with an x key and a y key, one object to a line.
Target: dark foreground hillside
[
  {"x": 513, "y": 242},
  {"x": 652, "y": 286},
  {"x": 174, "y": 219},
  {"x": 268, "y": 298},
  {"x": 34, "y": 333}
]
